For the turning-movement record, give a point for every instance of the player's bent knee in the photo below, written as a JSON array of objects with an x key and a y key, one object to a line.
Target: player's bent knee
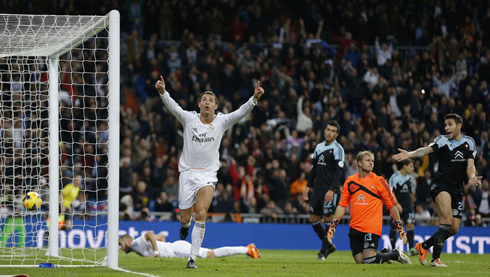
[{"x": 201, "y": 215}]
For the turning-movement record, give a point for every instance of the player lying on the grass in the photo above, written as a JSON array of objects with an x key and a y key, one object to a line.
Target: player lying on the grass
[
  {"x": 151, "y": 245},
  {"x": 365, "y": 192}
]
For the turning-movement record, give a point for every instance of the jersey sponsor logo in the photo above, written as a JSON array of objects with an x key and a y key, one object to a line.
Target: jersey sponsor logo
[
  {"x": 458, "y": 157},
  {"x": 321, "y": 160},
  {"x": 361, "y": 200},
  {"x": 202, "y": 138}
]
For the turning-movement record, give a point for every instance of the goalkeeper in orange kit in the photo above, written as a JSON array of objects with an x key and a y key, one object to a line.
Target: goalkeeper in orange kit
[{"x": 365, "y": 192}]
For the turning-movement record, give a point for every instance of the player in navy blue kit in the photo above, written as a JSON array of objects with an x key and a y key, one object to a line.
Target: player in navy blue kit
[
  {"x": 456, "y": 155},
  {"x": 402, "y": 184},
  {"x": 328, "y": 164}
]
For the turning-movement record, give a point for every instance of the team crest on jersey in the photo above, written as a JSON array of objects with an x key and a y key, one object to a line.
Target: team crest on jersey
[
  {"x": 467, "y": 146},
  {"x": 211, "y": 127}
]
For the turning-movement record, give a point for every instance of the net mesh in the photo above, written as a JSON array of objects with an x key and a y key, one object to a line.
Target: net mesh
[{"x": 26, "y": 44}]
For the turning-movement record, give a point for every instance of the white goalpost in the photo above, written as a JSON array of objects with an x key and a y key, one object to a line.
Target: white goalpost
[{"x": 59, "y": 137}]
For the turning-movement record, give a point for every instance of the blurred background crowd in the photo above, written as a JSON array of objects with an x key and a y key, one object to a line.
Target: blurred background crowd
[{"x": 387, "y": 71}]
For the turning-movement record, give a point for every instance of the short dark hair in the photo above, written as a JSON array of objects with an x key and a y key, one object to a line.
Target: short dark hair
[
  {"x": 124, "y": 237},
  {"x": 454, "y": 117},
  {"x": 403, "y": 163},
  {"x": 208, "y": 92},
  {"x": 335, "y": 124}
]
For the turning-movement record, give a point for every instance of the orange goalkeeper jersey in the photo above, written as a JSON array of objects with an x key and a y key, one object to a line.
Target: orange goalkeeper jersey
[{"x": 366, "y": 196}]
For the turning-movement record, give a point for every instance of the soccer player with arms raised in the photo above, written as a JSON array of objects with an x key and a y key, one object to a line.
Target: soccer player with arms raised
[
  {"x": 456, "y": 155},
  {"x": 199, "y": 160},
  {"x": 365, "y": 192},
  {"x": 328, "y": 163}
]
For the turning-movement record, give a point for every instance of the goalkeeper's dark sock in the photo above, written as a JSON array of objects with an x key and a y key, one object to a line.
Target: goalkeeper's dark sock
[
  {"x": 441, "y": 235},
  {"x": 381, "y": 258},
  {"x": 393, "y": 237},
  {"x": 320, "y": 232},
  {"x": 410, "y": 235},
  {"x": 327, "y": 226}
]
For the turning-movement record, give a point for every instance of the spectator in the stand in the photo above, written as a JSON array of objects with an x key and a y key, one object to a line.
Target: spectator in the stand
[
  {"x": 383, "y": 52},
  {"x": 371, "y": 78},
  {"x": 162, "y": 203},
  {"x": 422, "y": 190},
  {"x": 478, "y": 222},
  {"x": 305, "y": 121},
  {"x": 422, "y": 216},
  {"x": 482, "y": 199},
  {"x": 140, "y": 199},
  {"x": 271, "y": 210},
  {"x": 299, "y": 185}
]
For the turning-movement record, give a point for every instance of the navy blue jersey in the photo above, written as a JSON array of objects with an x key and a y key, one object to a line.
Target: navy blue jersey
[
  {"x": 402, "y": 187},
  {"x": 453, "y": 158},
  {"x": 328, "y": 163}
]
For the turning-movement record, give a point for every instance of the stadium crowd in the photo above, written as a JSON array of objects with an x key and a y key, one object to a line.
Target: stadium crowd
[{"x": 387, "y": 71}]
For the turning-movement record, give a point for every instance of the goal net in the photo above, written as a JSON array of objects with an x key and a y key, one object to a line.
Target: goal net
[{"x": 59, "y": 114}]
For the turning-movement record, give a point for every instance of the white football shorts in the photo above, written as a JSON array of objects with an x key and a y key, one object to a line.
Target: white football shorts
[
  {"x": 182, "y": 249},
  {"x": 190, "y": 182}
]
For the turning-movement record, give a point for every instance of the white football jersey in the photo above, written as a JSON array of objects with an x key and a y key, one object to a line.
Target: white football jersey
[
  {"x": 144, "y": 248},
  {"x": 202, "y": 141}
]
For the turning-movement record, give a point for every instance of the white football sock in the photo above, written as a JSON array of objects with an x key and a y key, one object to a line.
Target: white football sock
[
  {"x": 197, "y": 237},
  {"x": 229, "y": 250}
]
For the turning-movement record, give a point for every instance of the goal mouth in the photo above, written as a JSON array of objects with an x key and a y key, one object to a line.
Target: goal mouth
[{"x": 56, "y": 118}]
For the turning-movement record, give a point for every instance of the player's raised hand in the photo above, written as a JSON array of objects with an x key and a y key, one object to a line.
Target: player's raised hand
[
  {"x": 403, "y": 155},
  {"x": 401, "y": 232},
  {"x": 331, "y": 230},
  {"x": 259, "y": 91},
  {"x": 160, "y": 85},
  {"x": 475, "y": 181}
]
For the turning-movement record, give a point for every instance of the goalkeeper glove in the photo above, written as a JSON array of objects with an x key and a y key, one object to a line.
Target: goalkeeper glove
[
  {"x": 401, "y": 232},
  {"x": 331, "y": 230}
]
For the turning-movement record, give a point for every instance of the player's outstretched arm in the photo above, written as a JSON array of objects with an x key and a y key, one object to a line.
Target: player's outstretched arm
[
  {"x": 339, "y": 213},
  {"x": 258, "y": 92},
  {"x": 399, "y": 227},
  {"x": 150, "y": 236},
  {"x": 171, "y": 105},
  {"x": 161, "y": 237},
  {"x": 160, "y": 85},
  {"x": 404, "y": 154}
]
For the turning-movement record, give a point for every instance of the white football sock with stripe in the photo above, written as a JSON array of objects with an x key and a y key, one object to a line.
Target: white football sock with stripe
[{"x": 197, "y": 237}]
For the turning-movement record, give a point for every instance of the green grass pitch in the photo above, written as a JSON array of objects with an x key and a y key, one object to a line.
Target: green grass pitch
[{"x": 272, "y": 263}]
